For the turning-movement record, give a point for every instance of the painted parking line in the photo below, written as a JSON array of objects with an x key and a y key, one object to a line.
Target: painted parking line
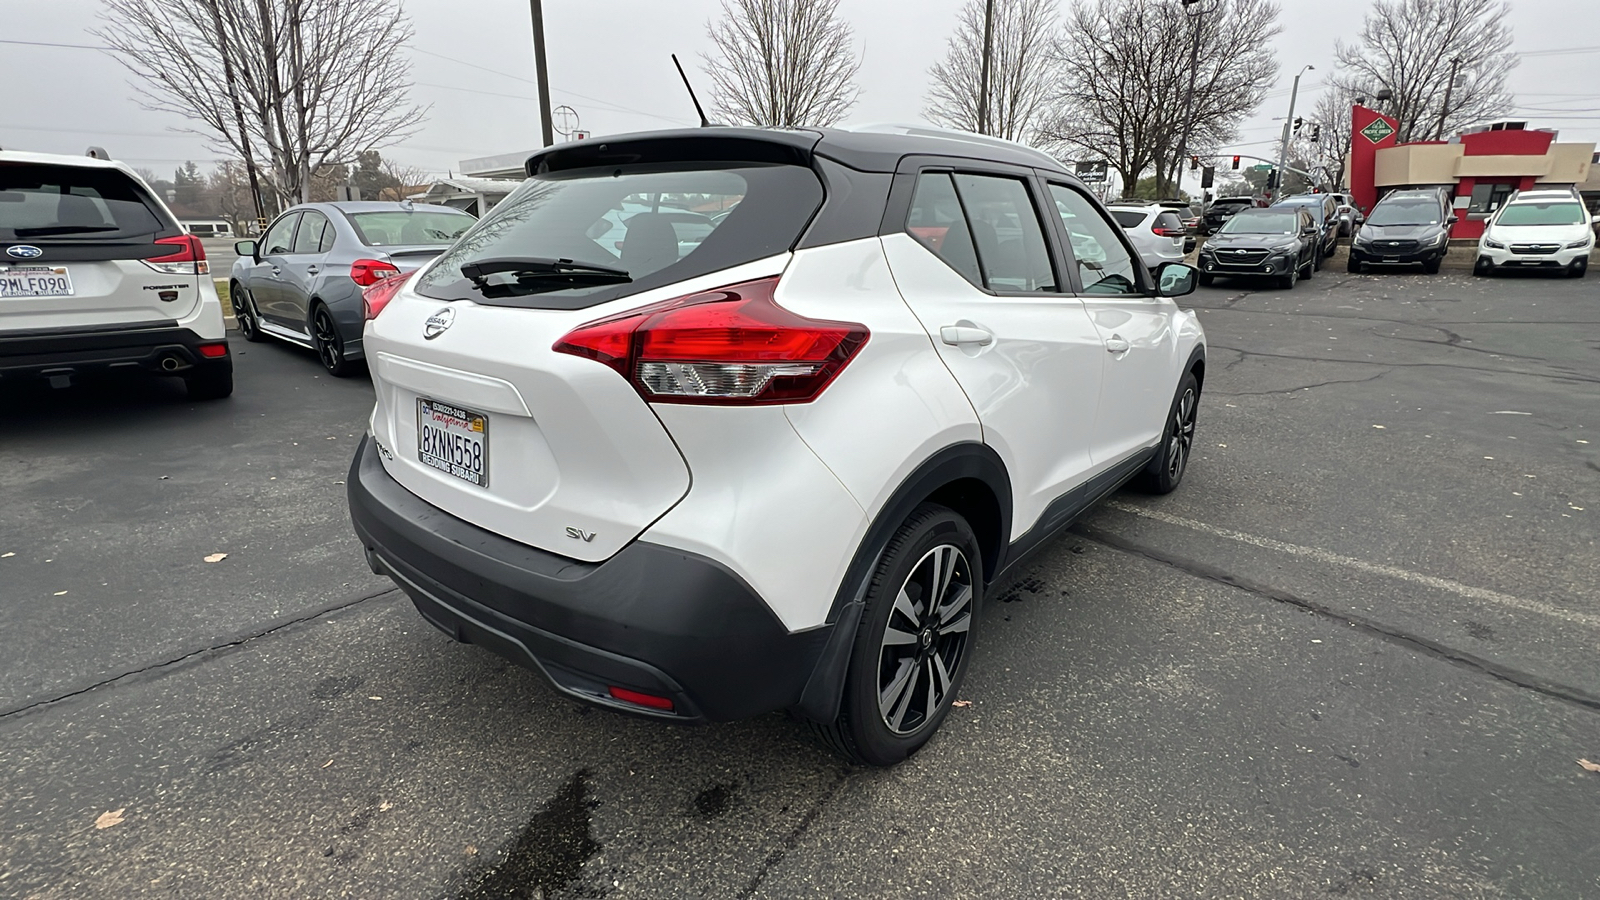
[{"x": 1360, "y": 565}]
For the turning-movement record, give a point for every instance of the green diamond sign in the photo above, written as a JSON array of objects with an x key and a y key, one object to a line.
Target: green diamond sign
[{"x": 1378, "y": 130}]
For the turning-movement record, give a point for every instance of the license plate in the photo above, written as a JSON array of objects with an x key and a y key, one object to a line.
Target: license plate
[
  {"x": 453, "y": 440},
  {"x": 35, "y": 281}
]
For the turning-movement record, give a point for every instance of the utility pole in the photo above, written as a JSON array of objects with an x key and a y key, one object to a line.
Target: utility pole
[
  {"x": 1283, "y": 146},
  {"x": 983, "y": 76},
  {"x": 1188, "y": 95},
  {"x": 545, "y": 130},
  {"x": 1449, "y": 88}
]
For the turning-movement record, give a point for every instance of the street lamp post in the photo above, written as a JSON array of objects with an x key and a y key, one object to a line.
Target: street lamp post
[
  {"x": 536, "y": 7},
  {"x": 1194, "y": 10},
  {"x": 1283, "y": 146}
]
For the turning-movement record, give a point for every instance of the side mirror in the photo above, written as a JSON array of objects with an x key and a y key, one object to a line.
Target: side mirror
[
  {"x": 1451, "y": 221},
  {"x": 245, "y": 248},
  {"x": 1175, "y": 279}
]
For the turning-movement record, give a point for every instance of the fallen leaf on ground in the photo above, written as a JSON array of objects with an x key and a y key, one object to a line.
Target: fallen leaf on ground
[
  {"x": 6, "y": 554},
  {"x": 327, "y": 764},
  {"x": 374, "y": 698},
  {"x": 217, "y": 557},
  {"x": 472, "y": 850},
  {"x": 961, "y": 703},
  {"x": 1589, "y": 766},
  {"x": 385, "y": 806},
  {"x": 108, "y": 819},
  {"x": 59, "y": 594}
]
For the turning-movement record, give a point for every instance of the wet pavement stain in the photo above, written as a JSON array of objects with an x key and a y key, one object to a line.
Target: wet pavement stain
[
  {"x": 713, "y": 801},
  {"x": 547, "y": 855}
]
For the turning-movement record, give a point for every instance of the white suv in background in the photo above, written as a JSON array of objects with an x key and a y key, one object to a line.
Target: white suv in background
[
  {"x": 96, "y": 276},
  {"x": 1538, "y": 229},
  {"x": 709, "y": 423},
  {"x": 1156, "y": 230}
]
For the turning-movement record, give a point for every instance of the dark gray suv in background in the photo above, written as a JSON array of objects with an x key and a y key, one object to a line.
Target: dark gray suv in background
[
  {"x": 301, "y": 282},
  {"x": 1407, "y": 228}
]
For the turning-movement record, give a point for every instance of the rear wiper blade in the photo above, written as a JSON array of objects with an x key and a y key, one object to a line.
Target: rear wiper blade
[
  {"x": 63, "y": 229},
  {"x": 535, "y": 268}
]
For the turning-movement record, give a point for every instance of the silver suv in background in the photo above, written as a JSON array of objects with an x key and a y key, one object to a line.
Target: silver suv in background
[
  {"x": 301, "y": 282},
  {"x": 1156, "y": 231},
  {"x": 97, "y": 276}
]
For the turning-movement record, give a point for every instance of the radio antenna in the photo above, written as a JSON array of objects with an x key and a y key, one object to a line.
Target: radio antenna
[{"x": 704, "y": 123}]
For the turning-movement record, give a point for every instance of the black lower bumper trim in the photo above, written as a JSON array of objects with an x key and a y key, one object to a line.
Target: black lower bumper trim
[
  {"x": 153, "y": 348},
  {"x": 651, "y": 619},
  {"x": 1420, "y": 257}
]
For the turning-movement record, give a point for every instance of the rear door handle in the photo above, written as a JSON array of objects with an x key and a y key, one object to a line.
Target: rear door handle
[
  {"x": 956, "y": 335},
  {"x": 312, "y": 269},
  {"x": 1115, "y": 344}
]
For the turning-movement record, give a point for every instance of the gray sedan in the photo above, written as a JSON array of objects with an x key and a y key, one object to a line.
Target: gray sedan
[{"x": 302, "y": 281}]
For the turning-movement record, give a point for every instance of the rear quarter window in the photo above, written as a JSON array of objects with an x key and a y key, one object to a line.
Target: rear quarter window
[
  {"x": 39, "y": 201},
  {"x": 1128, "y": 218}
]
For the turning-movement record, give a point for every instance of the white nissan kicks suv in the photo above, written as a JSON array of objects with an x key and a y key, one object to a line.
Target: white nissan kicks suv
[
  {"x": 97, "y": 276},
  {"x": 708, "y": 423}
]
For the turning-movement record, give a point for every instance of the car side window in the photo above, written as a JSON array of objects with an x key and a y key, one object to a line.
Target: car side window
[
  {"x": 309, "y": 237},
  {"x": 328, "y": 234},
  {"x": 280, "y": 236},
  {"x": 938, "y": 223},
  {"x": 1009, "y": 236},
  {"x": 1104, "y": 265}
]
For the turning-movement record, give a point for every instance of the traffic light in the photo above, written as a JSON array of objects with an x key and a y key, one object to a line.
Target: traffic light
[
  {"x": 1298, "y": 121},
  {"x": 1194, "y": 163},
  {"x": 1208, "y": 176},
  {"x": 1236, "y": 162},
  {"x": 1272, "y": 179},
  {"x": 1316, "y": 133}
]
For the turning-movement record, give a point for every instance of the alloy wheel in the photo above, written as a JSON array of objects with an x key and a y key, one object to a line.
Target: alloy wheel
[
  {"x": 1180, "y": 438},
  {"x": 925, "y": 639},
  {"x": 330, "y": 349},
  {"x": 244, "y": 313}
]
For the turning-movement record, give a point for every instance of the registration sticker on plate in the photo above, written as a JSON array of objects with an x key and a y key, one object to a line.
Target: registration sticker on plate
[
  {"x": 453, "y": 440},
  {"x": 35, "y": 281}
]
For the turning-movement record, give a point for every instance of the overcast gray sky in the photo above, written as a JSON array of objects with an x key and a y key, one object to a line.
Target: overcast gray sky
[{"x": 609, "y": 60}]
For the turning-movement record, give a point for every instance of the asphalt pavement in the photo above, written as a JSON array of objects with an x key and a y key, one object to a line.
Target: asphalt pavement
[{"x": 1354, "y": 655}]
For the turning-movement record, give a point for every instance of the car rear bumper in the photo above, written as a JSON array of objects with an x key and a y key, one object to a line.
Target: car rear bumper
[
  {"x": 651, "y": 619},
  {"x": 1363, "y": 254},
  {"x": 157, "y": 348}
]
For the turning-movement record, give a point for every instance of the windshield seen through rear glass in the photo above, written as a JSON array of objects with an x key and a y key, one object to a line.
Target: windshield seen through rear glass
[
  {"x": 1262, "y": 222},
  {"x": 572, "y": 240},
  {"x": 68, "y": 202},
  {"x": 1128, "y": 218},
  {"x": 421, "y": 226},
  {"x": 1542, "y": 214}
]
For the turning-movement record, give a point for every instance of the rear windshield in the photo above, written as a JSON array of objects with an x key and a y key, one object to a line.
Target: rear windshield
[
  {"x": 1418, "y": 211},
  {"x": 1128, "y": 218},
  {"x": 421, "y": 226},
  {"x": 1262, "y": 222},
  {"x": 1542, "y": 214},
  {"x": 1237, "y": 201},
  {"x": 70, "y": 202},
  {"x": 624, "y": 230}
]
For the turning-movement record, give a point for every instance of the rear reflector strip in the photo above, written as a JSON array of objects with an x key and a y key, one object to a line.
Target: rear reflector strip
[
  {"x": 638, "y": 699},
  {"x": 213, "y": 351}
]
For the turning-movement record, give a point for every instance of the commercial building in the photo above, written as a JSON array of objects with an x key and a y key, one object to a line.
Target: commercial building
[{"x": 1481, "y": 167}]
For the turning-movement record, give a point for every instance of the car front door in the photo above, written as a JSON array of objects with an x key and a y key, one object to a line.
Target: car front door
[
  {"x": 974, "y": 265},
  {"x": 301, "y": 267},
  {"x": 266, "y": 273},
  {"x": 1137, "y": 341}
]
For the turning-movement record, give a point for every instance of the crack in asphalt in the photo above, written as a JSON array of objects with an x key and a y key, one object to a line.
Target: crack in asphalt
[
  {"x": 216, "y": 649},
  {"x": 793, "y": 837},
  {"x": 1416, "y": 643},
  {"x": 1409, "y": 365},
  {"x": 1303, "y": 387}
]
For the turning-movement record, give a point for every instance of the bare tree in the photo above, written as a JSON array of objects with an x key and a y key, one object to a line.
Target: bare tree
[
  {"x": 1125, "y": 73},
  {"x": 1021, "y": 73},
  {"x": 782, "y": 63},
  {"x": 1330, "y": 121},
  {"x": 404, "y": 180},
  {"x": 1414, "y": 47},
  {"x": 315, "y": 81}
]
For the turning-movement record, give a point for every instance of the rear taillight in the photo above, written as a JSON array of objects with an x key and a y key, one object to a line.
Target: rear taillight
[
  {"x": 370, "y": 271},
  {"x": 1167, "y": 232},
  {"x": 377, "y": 295},
  {"x": 731, "y": 346},
  {"x": 188, "y": 256}
]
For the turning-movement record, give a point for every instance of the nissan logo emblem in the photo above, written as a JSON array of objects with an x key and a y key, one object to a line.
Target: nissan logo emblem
[
  {"x": 24, "y": 251},
  {"x": 439, "y": 323}
]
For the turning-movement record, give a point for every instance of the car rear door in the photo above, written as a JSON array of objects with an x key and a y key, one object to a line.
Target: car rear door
[
  {"x": 82, "y": 246},
  {"x": 1136, "y": 337},
  {"x": 974, "y": 265}
]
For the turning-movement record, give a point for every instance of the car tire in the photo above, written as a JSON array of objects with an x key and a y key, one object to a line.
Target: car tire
[
  {"x": 1432, "y": 266},
  {"x": 328, "y": 343},
  {"x": 1482, "y": 267},
  {"x": 1578, "y": 269},
  {"x": 1353, "y": 267},
  {"x": 1165, "y": 471},
  {"x": 209, "y": 384},
  {"x": 244, "y": 312},
  {"x": 909, "y": 657},
  {"x": 1310, "y": 268},
  {"x": 1288, "y": 280},
  {"x": 1207, "y": 279}
]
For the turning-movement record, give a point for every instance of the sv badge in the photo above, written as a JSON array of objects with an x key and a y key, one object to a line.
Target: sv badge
[{"x": 579, "y": 534}]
